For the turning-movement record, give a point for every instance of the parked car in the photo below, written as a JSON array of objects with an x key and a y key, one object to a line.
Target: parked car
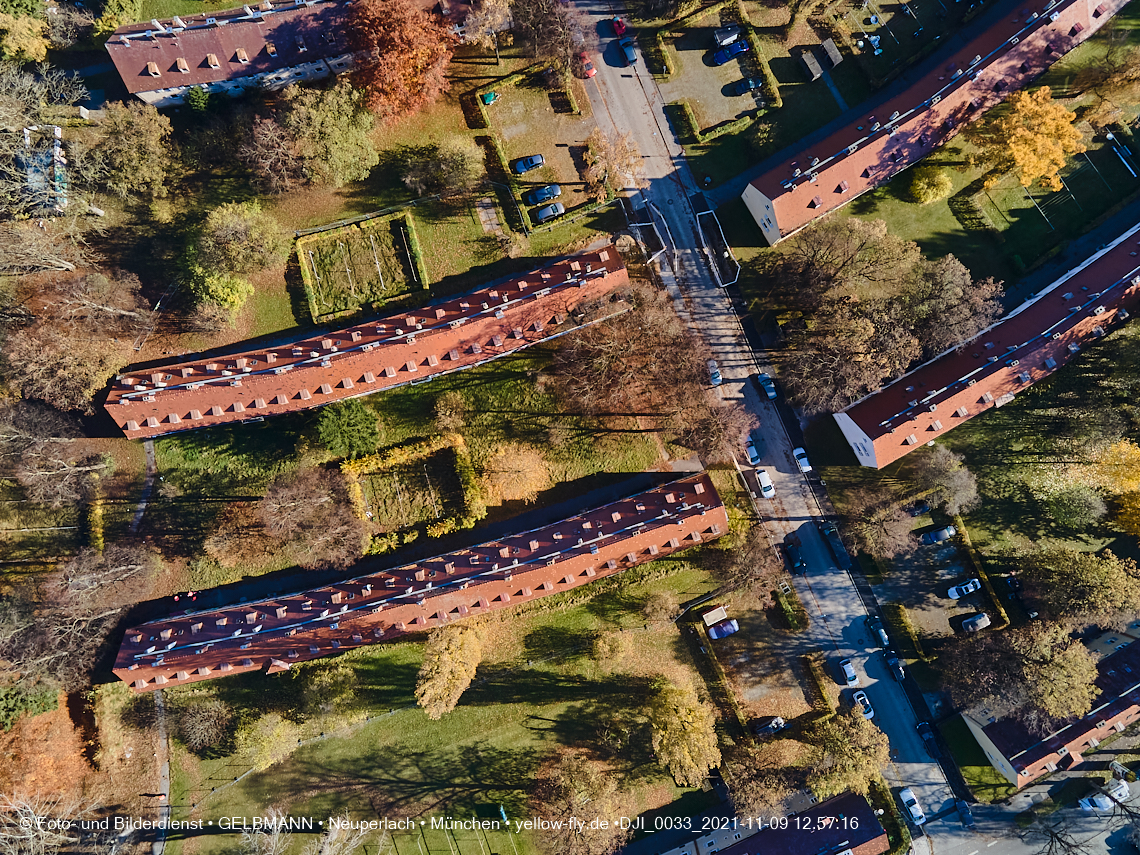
[
  {"x": 964, "y": 813},
  {"x": 714, "y": 373},
  {"x": 748, "y": 84},
  {"x": 628, "y": 51},
  {"x": 801, "y": 459},
  {"x": 895, "y": 666},
  {"x": 586, "y": 65},
  {"x": 764, "y": 384},
  {"x": 767, "y": 490},
  {"x": 847, "y": 672},
  {"x": 795, "y": 559},
  {"x": 835, "y": 542},
  {"x": 724, "y": 36},
  {"x": 725, "y": 627},
  {"x": 913, "y": 808},
  {"x": 1115, "y": 791},
  {"x": 959, "y": 591},
  {"x": 750, "y": 450},
  {"x": 526, "y": 164},
  {"x": 927, "y": 733},
  {"x": 860, "y": 699},
  {"x": 919, "y": 508},
  {"x": 619, "y": 26},
  {"x": 730, "y": 52},
  {"x": 541, "y": 194},
  {"x": 878, "y": 634},
  {"x": 768, "y": 725},
  {"x": 545, "y": 215},
  {"x": 976, "y": 623},
  {"x": 939, "y": 535}
]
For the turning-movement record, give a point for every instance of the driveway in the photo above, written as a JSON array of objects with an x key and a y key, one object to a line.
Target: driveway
[
  {"x": 920, "y": 581},
  {"x": 629, "y": 100}
]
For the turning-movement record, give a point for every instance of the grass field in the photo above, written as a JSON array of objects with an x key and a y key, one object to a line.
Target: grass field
[
  {"x": 358, "y": 265},
  {"x": 984, "y": 781},
  {"x": 538, "y": 690}
]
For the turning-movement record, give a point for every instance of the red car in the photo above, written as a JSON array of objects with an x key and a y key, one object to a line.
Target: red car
[
  {"x": 619, "y": 27},
  {"x": 588, "y": 69}
]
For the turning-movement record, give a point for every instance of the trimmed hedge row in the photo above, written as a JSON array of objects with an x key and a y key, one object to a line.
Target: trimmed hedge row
[
  {"x": 898, "y": 833},
  {"x": 692, "y": 129},
  {"x": 897, "y": 617},
  {"x": 814, "y": 668},
  {"x": 794, "y": 611},
  {"x": 771, "y": 85},
  {"x": 975, "y": 559}
]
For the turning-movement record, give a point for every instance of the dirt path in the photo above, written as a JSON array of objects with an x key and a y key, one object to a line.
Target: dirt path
[{"x": 148, "y": 486}]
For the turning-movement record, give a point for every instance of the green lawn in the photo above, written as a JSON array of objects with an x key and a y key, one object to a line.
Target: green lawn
[
  {"x": 538, "y": 690},
  {"x": 984, "y": 781}
]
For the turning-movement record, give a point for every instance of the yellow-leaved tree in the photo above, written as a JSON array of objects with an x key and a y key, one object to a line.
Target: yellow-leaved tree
[
  {"x": 1116, "y": 468},
  {"x": 23, "y": 38},
  {"x": 684, "y": 734},
  {"x": 450, "y": 659},
  {"x": 1035, "y": 137}
]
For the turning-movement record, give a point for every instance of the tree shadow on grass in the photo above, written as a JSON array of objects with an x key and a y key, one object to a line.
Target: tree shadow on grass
[{"x": 556, "y": 643}]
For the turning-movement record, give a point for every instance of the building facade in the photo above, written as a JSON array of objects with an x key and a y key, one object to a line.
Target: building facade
[
  {"x": 1027, "y": 345},
  {"x": 411, "y": 346},
  {"x": 907, "y": 127},
  {"x": 271, "y": 634}
]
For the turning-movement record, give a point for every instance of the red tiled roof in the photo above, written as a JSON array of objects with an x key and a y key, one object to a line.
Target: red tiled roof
[
  {"x": 909, "y": 126},
  {"x": 272, "y": 634},
  {"x": 1030, "y": 343},
  {"x": 410, "y": 346},
  {"x": 236, "y": 45},
  {"x": 1118, "y": 680}
]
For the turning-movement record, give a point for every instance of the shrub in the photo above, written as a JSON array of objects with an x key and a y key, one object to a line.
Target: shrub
[
  {"x": 223, "y": 289},
  {"x": 198, "y": 100},
  {"x": 203, "y": 724},
  {"x": 16, "y": 702},
  {"x": 929, "y": 184}
]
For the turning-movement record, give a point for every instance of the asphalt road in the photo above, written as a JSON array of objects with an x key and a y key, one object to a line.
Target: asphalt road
[{"x": 626, "y": 99}]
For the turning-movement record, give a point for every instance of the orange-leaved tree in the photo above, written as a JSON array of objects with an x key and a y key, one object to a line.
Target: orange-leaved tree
[
  {"x": 1035, "y": 137},
  {"x": 402, "y": 52}
]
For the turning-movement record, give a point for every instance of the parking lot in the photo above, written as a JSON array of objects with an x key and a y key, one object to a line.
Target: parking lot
[
  {"x": 531, "y": 121},
  {"x": 920, "y": 582},
  {"x": 708, "y": 88}
]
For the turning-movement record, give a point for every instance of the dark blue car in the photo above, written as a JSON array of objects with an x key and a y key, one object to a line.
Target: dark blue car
[
  {"x": 541, "y": 194},
  {"x": 526, "y": 164},
  {"x": 726, "y": 53}
]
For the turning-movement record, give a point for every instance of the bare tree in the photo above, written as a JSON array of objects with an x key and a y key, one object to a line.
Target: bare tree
[
  {"x": 271, "y": 154},
  {"x": 44, "y": 825},
  {"x": 204, "y": 723},
  {"x": 547, "y": 29},
  {"x": 611, "y": 161},
  {"x": 945, "y": 472},
  {"x": 91, "y": 569},
  {"x": 32, "y": 246},
  {"x": 879, "y": 524},
  {"x": 310, "y": 511}
]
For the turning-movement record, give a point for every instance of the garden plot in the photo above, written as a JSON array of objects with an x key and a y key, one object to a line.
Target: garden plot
[
  {"x": 420, "y": 491},
  {"x": 358, "y": 265}
]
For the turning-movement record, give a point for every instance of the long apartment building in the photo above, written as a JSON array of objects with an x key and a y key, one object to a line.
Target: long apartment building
[
  {"x": 265, "y": 46},
  {"x": 411, "y": 346},
  {"x": 986, "y": 372},
  {"x": 909, "y": 126},
  {"x": 1023, "y": 756},
  {"x": 270, "y": 635}
]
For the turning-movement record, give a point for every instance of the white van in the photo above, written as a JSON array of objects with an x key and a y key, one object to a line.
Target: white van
[{"x": 765, "y": 480}]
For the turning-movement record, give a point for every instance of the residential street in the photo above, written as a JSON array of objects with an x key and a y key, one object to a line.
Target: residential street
[{"x": 627, "y": 99}]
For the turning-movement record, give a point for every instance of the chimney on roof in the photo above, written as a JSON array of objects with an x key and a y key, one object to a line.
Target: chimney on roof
[
  {"x": 178, "y": 22},
  {"x": 157, "y": 25}
]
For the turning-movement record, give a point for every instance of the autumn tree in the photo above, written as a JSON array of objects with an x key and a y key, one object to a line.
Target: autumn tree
[
  {"x": 1076, "y": 507},
  {"x": 407, "y": 51},
  {"x": 515, "y": 472},
  {"x": 573, "y": 787},
  {"x": 547, "y": 29},
  {"x": 218, "y": 288},
  {"x": 850, "y": 753},
  {"x": 240, "y": 237},
  {"x": 44, "y": 451},
  {"x": 348, "y": 429},
  {"x": 1082, "y": 586},
  {"x": 944, "y": 472},
  {"x": 660, "y": 606},
  {"x": 1040, "y": 672},
  {"x": 929, "y": 183},
  {"x": 610, "y": 161},
  {"x": 1035, "y": 137},
  {"x": 327, "y": 686},
  {"x": 1114, "y": 80},
  {"x": 309, "y": 511},
  {"x": 742, "y": 558},
  {"x": 32, "y": 824},
  {"x": 683, "y": 733},
  {"x": 450, "y": 411},
  {"x": 761, "y": 777},
  {"x": 313, "y": 135},
  {"x": 33, "y": 247},
  {"x": 451, "y": 656},
  {"x": 870, "y": 307},
  {"x": 91, "y": 569},
  {"x": 203, "y": 723},
  {"x": 23, "y": 38},
  {"x": 878, "y": 523},
  {"x": 134, "y": 149},
  {"x": 1115, "y": 468},
  {"x": 485, "y": 21},
  {"x": 450, "y": 168}
]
